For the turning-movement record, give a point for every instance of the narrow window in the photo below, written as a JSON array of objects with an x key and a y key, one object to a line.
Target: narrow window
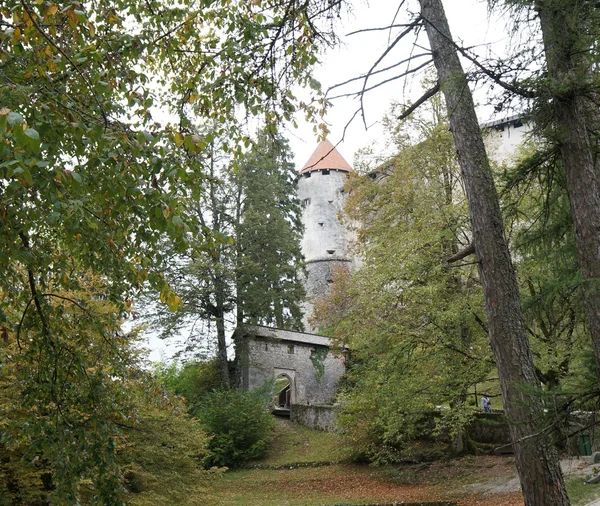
[
  {"x": 306, "y": 202},
  {"x": 290, "y": 349},
  {"x": 321, "y": 224},
  {"x": 331, "y": 251},
  {"x": 325, "y": 172},
  {"x": 266, "y": 347},
  {"x": 307, "y": 174}
]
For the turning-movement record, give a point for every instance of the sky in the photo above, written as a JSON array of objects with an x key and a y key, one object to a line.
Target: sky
[{"x": 469, "y": 23}]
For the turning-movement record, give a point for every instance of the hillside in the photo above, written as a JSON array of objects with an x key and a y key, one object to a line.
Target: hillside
[{"x": 309, "y": 468}]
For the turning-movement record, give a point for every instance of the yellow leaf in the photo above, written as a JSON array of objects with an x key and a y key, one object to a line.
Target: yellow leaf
[
  {"x": 16, "y": 34},
  {"x": 179, "y": 140},
  {"x": 72, "y": 17},
  {"x": 52, "y": 10},
  {"x": 173, "y": 301},
  {"x": 166, "y": 212}
]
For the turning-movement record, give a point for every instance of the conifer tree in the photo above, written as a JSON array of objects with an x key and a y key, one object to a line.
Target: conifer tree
[
  {"x": 537, "y": 463},
  {"x": 268, "y": 232}
]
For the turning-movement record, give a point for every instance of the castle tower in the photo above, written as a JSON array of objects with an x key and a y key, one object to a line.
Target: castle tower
[{"x": 325, "y": 240}]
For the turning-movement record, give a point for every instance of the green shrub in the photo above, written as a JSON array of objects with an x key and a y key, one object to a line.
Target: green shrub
[
  {"x": 240, "y": 425},
  {"x": 192, "y": 381}
]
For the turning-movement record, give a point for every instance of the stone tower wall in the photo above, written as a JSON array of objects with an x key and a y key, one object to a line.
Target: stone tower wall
[{"x": 325, "y": 239}]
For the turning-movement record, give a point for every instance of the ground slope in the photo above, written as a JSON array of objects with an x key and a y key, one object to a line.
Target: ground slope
[{"x": 309, "y": 468}]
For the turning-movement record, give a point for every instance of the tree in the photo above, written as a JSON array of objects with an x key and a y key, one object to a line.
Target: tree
[
  {"x": 72, "y": 414},
  {"x": 90, "y": 181},
  {"x": 413, "y": 323},
  {"x": 536, "y": 206},
  {"x": 541, "y": 478},
  {"x": 569, "y": 94},
  {"x": 268, "y": 232},
  {"x": 247, "y": 266}
]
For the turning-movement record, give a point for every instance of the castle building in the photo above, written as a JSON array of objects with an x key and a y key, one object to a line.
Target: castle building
[{"x": 325, "y": 242}]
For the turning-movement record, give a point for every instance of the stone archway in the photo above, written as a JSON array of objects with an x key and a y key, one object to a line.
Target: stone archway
[{"x": 284, "y": 392}]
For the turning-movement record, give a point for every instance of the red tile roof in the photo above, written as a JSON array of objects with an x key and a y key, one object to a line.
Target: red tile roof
[{"x": 326, "y": 157}]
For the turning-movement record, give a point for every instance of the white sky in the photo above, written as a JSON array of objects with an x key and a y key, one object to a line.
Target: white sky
[{"x": 468, "y": 22}]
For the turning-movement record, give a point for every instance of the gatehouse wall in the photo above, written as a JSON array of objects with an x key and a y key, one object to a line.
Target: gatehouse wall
[{"x": 308, "y": 361}]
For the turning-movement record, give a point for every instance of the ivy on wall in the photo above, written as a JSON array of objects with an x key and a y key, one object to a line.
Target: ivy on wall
[{"x": 317, "y": 357}]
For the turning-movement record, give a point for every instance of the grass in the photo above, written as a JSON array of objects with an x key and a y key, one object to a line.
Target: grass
[
  {"x": 285, "y": 477},
  {"x": 581, "y": 494},
  {"x": 294, "y": 444}
]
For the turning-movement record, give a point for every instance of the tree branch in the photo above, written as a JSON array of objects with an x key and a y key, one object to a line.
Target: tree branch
[
  {"x": 67, "y": 57},
  {"x": 426, "y": 96},
  {"x": 469, "y": 250}
]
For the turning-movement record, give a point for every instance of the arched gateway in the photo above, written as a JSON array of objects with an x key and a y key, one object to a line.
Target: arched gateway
[{"x": 306, "y": 360}]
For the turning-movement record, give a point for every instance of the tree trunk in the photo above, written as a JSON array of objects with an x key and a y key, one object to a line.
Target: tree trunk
[
  {"x": 567, "y": 75},
  {"x": 221, "y": 341},
  {"x": 537, "y": 460},
  {"x": 222, "y": 352}
]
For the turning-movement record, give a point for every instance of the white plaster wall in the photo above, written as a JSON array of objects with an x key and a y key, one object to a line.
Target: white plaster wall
[
  {"x": 323, "y": 199},
  {"x": 325, "y": 241},
  {"x": 503, "y": 143}
]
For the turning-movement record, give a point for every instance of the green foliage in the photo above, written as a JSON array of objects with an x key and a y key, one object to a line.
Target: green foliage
[
  {"x": 161, "y": 458},
  {"x": 269, "y": 258},
  {"x": 73, "y": 416},
  {"x": 537, "y": 207},
  {"x": 91, "y": 182},
  {"x": 239, "y": 424},
  {"x": 318, "y": 360},
  {"x": 251, "y": 261},
  {"x": 193, "y": 380},
  {"x": 412, "y": 322}
]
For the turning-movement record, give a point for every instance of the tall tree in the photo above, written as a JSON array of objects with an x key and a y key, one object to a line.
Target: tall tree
[
  {"x": 246, "y": 268},
  {"x": 536, "y": 205},
  {"x": 563, "y": 95},
  {"x": 537, "y": 461},
  {"x": 268, "y": 233},
  {"x": 413, "y": 323},
  {"x": 569, "y": 36},
  {"x": 91, "y": 181}
]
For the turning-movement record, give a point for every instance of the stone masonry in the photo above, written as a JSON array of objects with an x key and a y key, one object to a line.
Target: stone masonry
[{"x": 306, "y": 359}]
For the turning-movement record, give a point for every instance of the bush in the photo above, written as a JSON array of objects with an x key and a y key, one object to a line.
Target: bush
[
  {"x": 240, "y": 425},
  {"x": 192, "y": 381}
]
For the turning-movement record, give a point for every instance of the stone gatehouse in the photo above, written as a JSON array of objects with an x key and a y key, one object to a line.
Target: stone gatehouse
[{"x": 305, "y": 360}]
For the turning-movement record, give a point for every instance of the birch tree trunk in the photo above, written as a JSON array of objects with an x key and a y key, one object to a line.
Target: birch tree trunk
[{"x": 537, "y": 459}]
